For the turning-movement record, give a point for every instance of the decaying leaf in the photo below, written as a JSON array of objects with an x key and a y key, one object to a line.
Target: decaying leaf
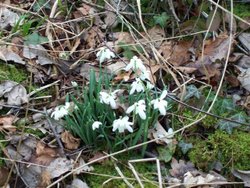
[
  {"x": 186, "y": 172},
  {"x": 214, "y": 26},
  {"x": 200, "y": 179},
  {"x": 159, "y": 132},
  {"x": 42, "y": 149},
  {"x": 215, "y": 49},
  {"x": 4, "y": 172},
  {"x": 77, "y": 183},
  {"x": 97, "y": 155},
  {"x": 30, "y": 174},
  {"x": 157, "y": 34},
  {"x": 45, "y": 179},
  {"x": 15, "y": 93},
  {"x": 244, "y": 78},
  {"x": 93, "y": 37},
  {"x": 7, "y": 17},
  {"x": 86, "y": 168},
  {"x": 176, "y": 54},
  {"x": 59, "y": 166},
  {"x": 121, "y": 38},
  {"x": 70, "y": 141},
  {"x": 245, "y": 40},
  {"x": 116, "y": 67},
  {"x": 243, "y": 175},
  {"x": 6, "y": 54},
  {"x": 6, "y": 122},
  {"x": 32, "y": 51},
  {"x": 178, "y": 169}
]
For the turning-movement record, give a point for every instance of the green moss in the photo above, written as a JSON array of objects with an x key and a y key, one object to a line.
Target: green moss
[
  {"x": 147, "y": 169},
  {"x": 12, "y": 72},
  {"x": 2, "y": 145},
  {"x": 209, "y": 122},
  {"x": 242, "y": 10},
  {"x": 232, "y": 151}
]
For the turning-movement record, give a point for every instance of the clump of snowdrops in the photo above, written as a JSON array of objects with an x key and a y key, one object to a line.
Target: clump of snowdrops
[{"x": 111, "y": 117}]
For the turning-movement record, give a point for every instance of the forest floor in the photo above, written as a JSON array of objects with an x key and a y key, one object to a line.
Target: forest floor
[{"x": 124, "y": 93}]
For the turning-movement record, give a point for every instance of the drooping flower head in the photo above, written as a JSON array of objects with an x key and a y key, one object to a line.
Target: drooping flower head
[
  {"x": 135, "y": 64},
  {"x": 61, "y": 111},
  {"x": 109, "y": 98},
  {"x": 104, "y": 54},
  {"x": 122, "y": 124},
  {"x": 160, "y": 104},
  {"x": 96, "y": 125},
  {"x": 139, "y": 108},
  {"x": 137, "y": 86}
]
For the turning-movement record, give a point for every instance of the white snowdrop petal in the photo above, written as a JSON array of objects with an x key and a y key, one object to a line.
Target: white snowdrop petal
[
  {"x": 149, "y": 85},
  {"x": 130, "y": 109},
  {"x": 142, "y": 115},
  {"x": 162, "y": 110},
  {"x": 96, "y": 125},
  {"x": 130, "y": 129},
  {"x": 132, "y": 91},
  {"x": 164, "y": 94},
  {"x": 113, "y": 103}
]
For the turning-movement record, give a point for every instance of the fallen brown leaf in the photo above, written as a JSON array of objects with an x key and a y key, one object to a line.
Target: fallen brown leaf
[
  {"x": 6, "y": 122},
  {"x": 42, "y": 149},
  {"x": 97, "y": 155},
  {"x": 176, "y": 54},
  {"x": 122, "y": 38},
  {"x": 70, "y": 141},
  {"x": 4, "y": 172},
  {"x": 215, "y": 49}
]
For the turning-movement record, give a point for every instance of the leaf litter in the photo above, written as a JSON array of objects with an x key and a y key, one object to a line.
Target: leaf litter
[{"x": 57, "y": 54}]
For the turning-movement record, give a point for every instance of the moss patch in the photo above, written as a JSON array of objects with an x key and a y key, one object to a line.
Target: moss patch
[
  {"x": 146, "y": 169},
  {"x": 15, "y": 73},
  {"x": 242, "y": 10},
  {"x": 232, "y": 151}
]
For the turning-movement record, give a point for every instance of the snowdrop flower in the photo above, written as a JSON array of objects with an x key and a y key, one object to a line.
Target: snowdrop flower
[
  {"x": 149, "y": 85},
  {"x": 104, "y": 54},
  {"x": 60, "y": 111},
  {"x": 96, "y": 125},
  {"x": 160, "y": 103},
  {"x": 109, "y": 99},
  {"x": 122, "y": 124},
  {"x": 144, "y": 75},
  {"x": 139, "y": 108},
  {"x": 170, "y": 133},
  {"x": 74, "y": 84},
  {"x": 137, "y": 86},
  {"x": 136, "y": 64}
]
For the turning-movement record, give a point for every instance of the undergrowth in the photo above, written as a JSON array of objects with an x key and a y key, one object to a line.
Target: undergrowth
[
  {"x": 12, "y": 72},
  {"x": 232, "y": 151},
  {"x": 146, "y": 169}
]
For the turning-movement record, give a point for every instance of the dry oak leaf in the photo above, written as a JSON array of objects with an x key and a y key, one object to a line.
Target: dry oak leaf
[
  {"x": 156, "y": 34},
  {"x": 4, "y": 172},
  {"x": 42, "y": 149},
  {"x": 93, "y": 37},
  {"x": 176, "y": 54},
  {"x": 42, "y": 159},
  {"x": 59, "y": 166},
  {"x": 96, "y": 156},
  {"x": 216, "y": 49},
  {"x": 70, "y": 141},
  {"x": 6, "y": 122},
  {"x": 45, "y": 179},
  {"x": 7, "y": 54},
  {"x": 18, "y": 95},
  {"x": 7, "y": 17},
  {"x": 122, "y": 38}
]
